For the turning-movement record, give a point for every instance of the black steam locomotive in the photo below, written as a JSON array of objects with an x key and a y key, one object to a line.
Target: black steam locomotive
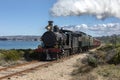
[{"x": 57, "y": 43}]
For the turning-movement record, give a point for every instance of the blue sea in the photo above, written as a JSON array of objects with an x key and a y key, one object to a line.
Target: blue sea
[{"x": 19, "y": 44}]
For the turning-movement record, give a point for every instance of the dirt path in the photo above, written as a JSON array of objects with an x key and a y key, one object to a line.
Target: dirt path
[{"x": 58, "y": 71}]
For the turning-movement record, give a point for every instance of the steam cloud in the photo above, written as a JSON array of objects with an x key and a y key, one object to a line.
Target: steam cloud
[{"x": 100, "y": 8}]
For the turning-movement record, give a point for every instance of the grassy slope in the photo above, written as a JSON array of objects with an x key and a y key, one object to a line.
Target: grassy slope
[{"x": 97, "y": 66}]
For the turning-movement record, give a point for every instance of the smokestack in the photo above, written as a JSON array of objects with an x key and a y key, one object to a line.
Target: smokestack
[
  {"x": 50, "y": 23},
  {"x": 49, "y": 26}
]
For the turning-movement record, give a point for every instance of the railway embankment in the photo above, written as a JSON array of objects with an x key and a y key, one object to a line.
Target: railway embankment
[{"x": 101, "y": 64}]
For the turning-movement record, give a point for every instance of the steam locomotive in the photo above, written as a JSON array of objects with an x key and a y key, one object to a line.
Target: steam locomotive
[{"x": 57, "y": 43}]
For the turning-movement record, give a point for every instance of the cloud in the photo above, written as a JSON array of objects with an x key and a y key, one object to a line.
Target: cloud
[
  {"x": 99, "y": 8},
  {"x": 96, "y": 30},
  {"x": 106, "y": 29},
  {"x": 82, "y": 27}
]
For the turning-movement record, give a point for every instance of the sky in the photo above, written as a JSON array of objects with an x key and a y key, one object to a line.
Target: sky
[{"x": 30, "y": 17}]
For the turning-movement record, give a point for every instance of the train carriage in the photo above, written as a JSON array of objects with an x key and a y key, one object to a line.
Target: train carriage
[{"x": 96, "y": 42}]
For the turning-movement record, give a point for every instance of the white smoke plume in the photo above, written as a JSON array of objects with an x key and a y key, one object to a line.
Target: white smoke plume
[{"x": 99, "y": 8}]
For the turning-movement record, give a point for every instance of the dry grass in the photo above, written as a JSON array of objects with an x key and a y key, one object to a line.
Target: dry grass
[
  {"x": 109, "y": 72},
  {"x": 83, "y": 72},
  {"x": 104, "y": 70}
]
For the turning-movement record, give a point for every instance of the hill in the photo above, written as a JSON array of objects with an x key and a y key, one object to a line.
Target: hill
[{"x": 115, "y": 39}]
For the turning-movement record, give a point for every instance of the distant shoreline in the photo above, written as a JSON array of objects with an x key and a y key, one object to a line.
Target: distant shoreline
[{"x": 20, "y": 38}]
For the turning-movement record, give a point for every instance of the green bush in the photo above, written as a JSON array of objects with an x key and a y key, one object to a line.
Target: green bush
[
  {"x": 29, "y": 54},
  {"x": 92, "y": 61},
  {"x": 1, "y": 56},
  {"x": 113, "y": 52},
  {"x": 116, "y": 58},
  {"x": 12, "y": 55},
  {"x": 17, "y": 54},
  {"x": 118, "y": 45}
]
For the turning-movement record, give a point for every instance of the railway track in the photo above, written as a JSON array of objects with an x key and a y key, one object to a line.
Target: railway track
[
  {"x": 7, "y": 73},
  {"x": 18, "y": 69}
]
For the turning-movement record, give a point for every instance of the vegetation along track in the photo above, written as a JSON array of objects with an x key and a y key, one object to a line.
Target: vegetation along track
[{"x": 26, "y": 67}]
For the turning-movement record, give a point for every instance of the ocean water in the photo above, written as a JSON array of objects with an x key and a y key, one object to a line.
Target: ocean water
[{"x": 19, "y": 44}]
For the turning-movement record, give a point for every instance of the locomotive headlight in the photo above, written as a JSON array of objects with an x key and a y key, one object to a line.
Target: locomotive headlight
[{"x": 49, "y": 28}]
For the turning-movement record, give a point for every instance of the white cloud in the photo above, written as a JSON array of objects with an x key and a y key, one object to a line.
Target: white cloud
[
  {"x": 99, "y": 8},
  {"x": 99, "y": 29}
]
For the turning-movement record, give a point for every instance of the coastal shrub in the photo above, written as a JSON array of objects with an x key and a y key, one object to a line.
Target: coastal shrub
[
  {"x": 109, "y": 54},
  {"x": 18, "y": 54},
  {"x": 28, "y": 54},
  {"x": 34, "y": 55},
  {"x": 106, "y": 47},
  {"x": 1, "y": 56},
  {"x": 92, "y": 61},
  {"x": 116, "y": 58},
  {"x": 118, "y": 45},
  {"x": 12, "y": 55},
  {"x": 96, "y": 58}
]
